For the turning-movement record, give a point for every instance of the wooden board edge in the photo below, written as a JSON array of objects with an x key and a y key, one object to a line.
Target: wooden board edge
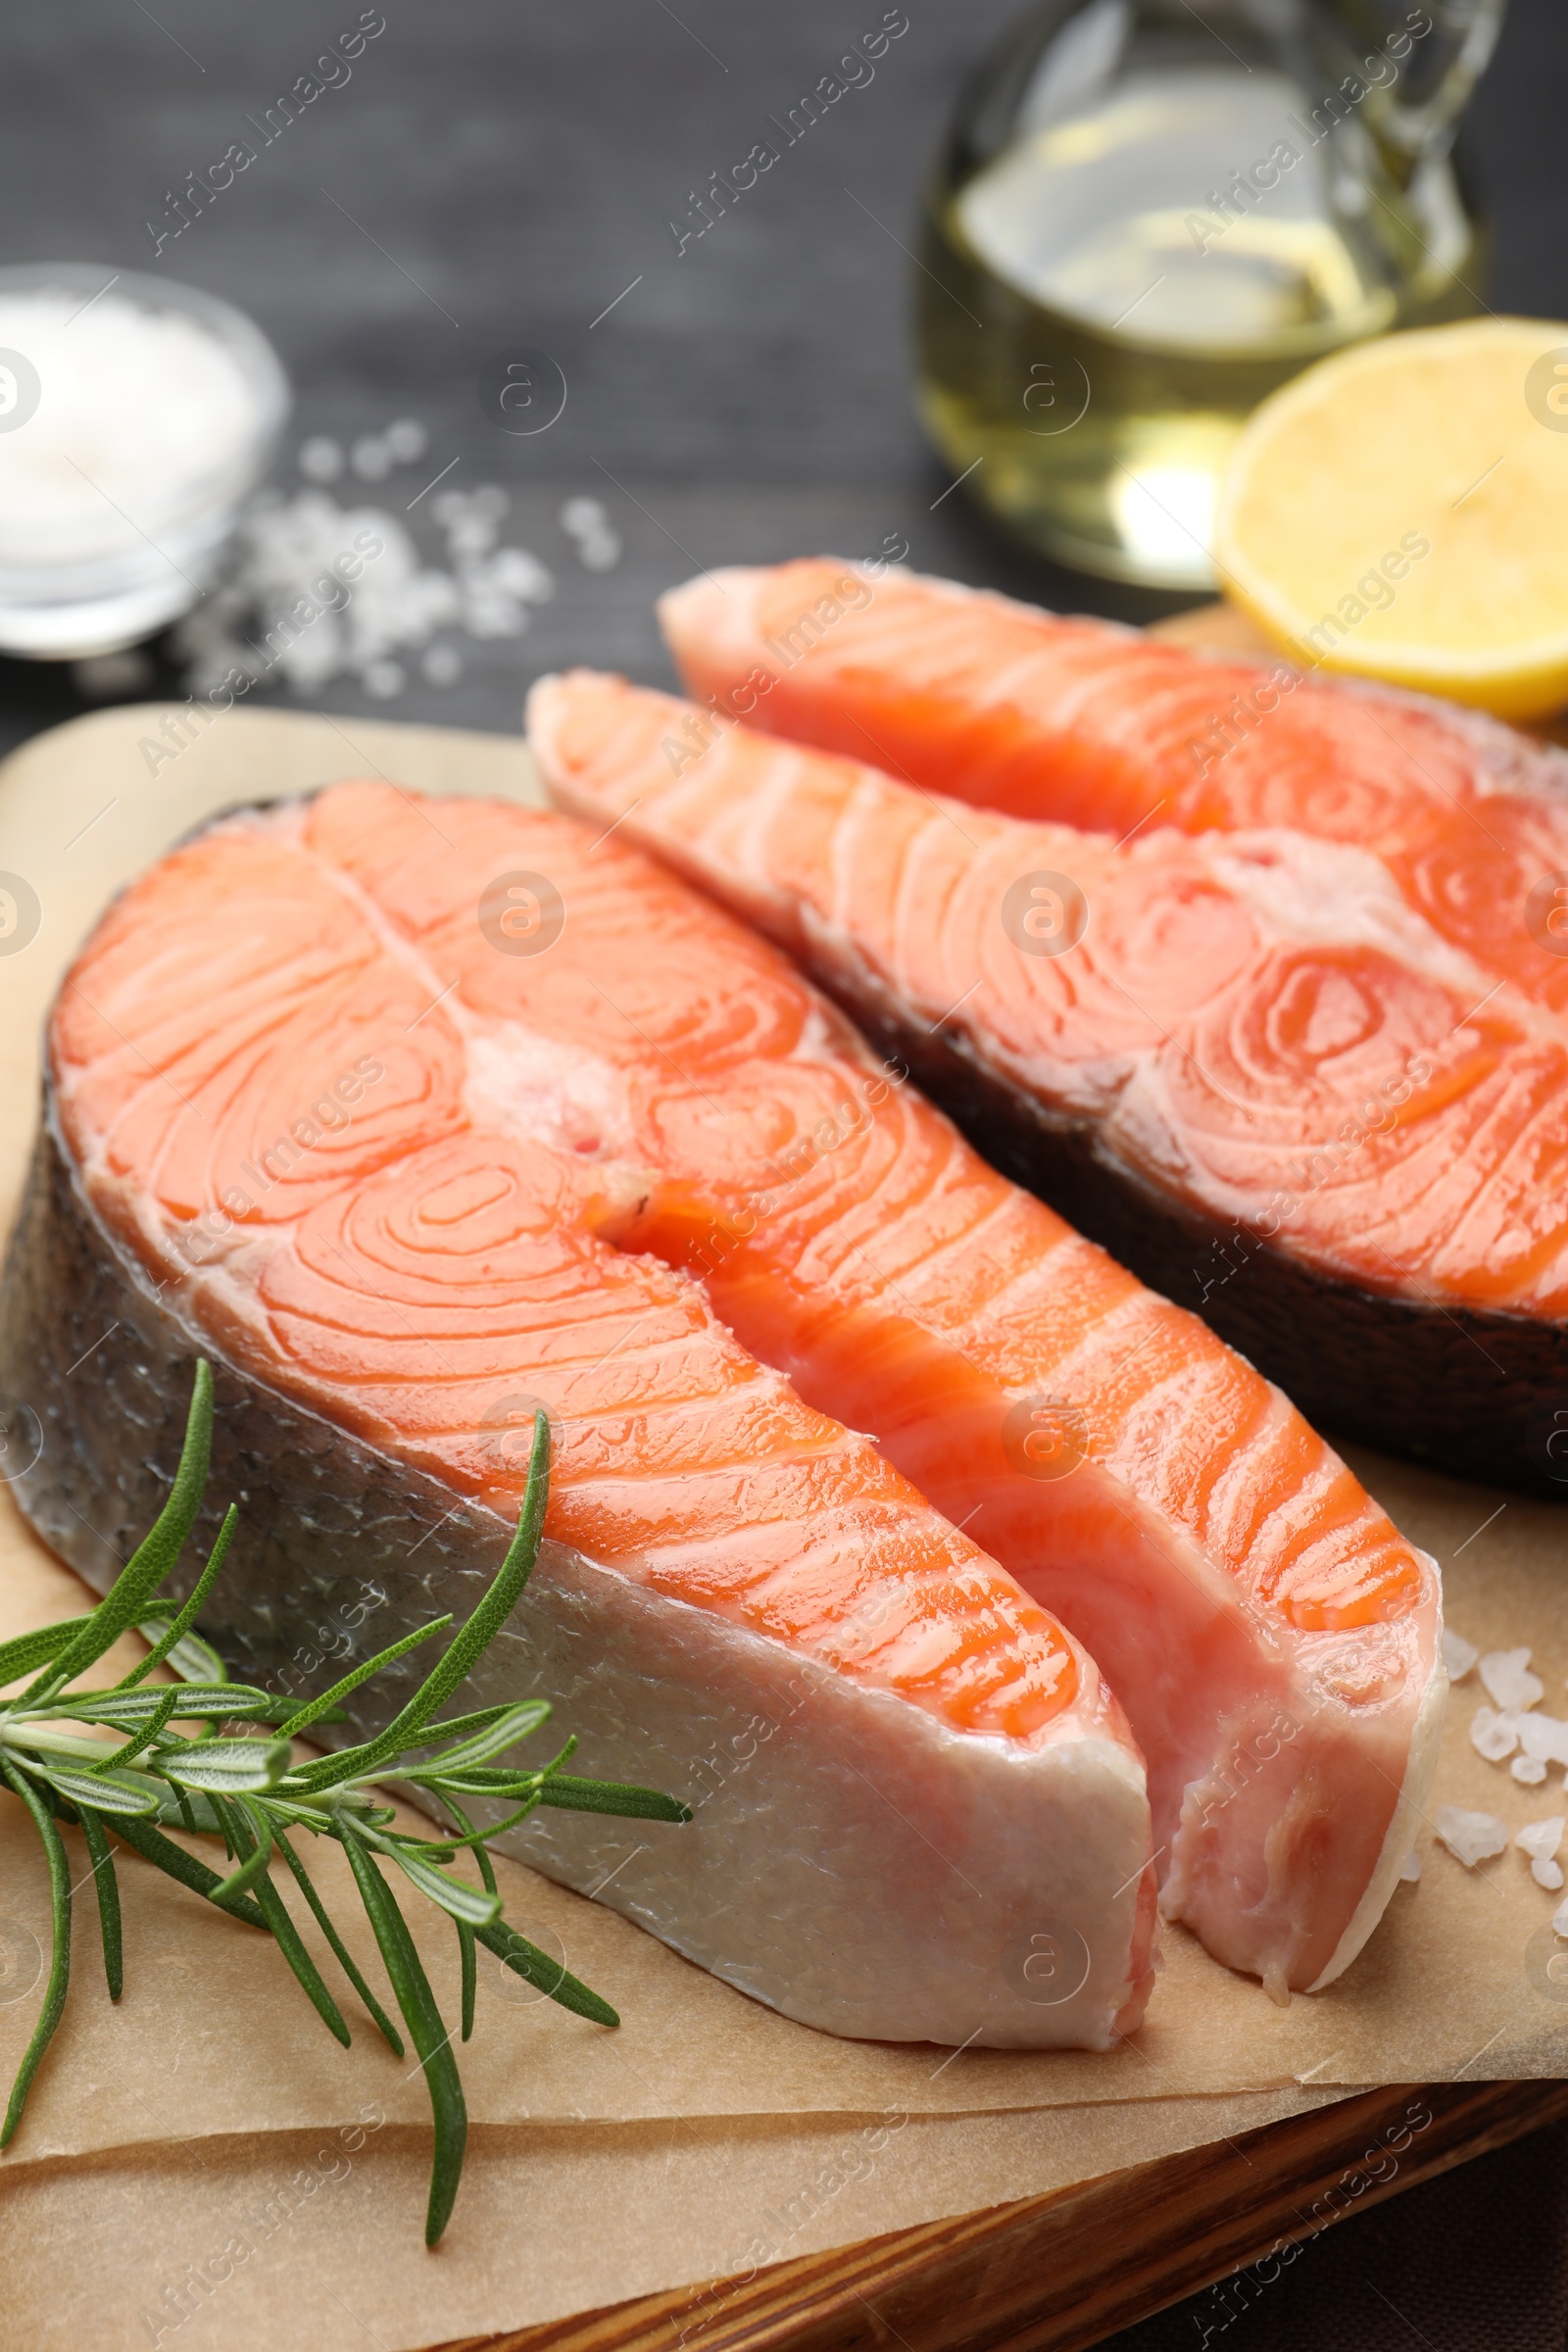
[{"x": 1060, "y": 2272}]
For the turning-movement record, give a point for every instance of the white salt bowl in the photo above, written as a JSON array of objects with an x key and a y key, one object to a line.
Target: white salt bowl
[{"x": 136, "y": 414}]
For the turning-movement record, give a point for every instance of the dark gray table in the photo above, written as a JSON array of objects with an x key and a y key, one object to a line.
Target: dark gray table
[{"x": 494, "y": 174}]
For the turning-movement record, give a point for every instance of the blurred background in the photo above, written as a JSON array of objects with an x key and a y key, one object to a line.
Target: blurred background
[
  {"x": 488, "y": 180},
  {"x": 521, "y": 193}
]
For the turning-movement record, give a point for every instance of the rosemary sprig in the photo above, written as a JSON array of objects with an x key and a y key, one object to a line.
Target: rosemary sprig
[{"x": 249, "y": 1791}]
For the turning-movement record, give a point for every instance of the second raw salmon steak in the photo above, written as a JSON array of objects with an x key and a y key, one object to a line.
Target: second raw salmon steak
[{"x": 1347, "y": 998}]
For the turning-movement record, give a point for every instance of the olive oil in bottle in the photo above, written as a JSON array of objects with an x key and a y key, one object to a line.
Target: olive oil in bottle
[{"x": 1143, "y": 225}]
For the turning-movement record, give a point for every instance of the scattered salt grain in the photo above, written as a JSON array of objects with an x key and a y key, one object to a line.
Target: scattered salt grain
[
  {"x": 1529, "y": 1771},
  {"x": 281, "y": 618},
  {"x": 1547, "y": 1875},
  {"x": 407, "y": 439},
  {"x": 1471, "y": 1838},
  {"x": 1492, "y": 1736},
  {"x": 493, "y": 615},
  {"x": 1459, "y": 1654},
  {"x": 372, "y": 457},
  {"x": 1410, "y": 1867},
  {"x": 321, "y": 460},
  {"x": 1543, "y": 1735},
  {"x": 471, "y": 535},
  {"x": 1509, "y": 1680},
  {"x": 1559, "y": 1920},
  {"x": 441, "y": 666},
  {"x": 454, "y": 506},
  {"x": 517, "y": 573},
  {"x": 1539, "y": 1840},
  {"x": 598, "y": 543}
]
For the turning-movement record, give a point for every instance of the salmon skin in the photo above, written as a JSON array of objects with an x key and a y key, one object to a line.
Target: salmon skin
[
  {"x": 408, "y": 1115},
  {"x": 1352, "y": 1172},
  {"x": 1271, "y": 1636}
]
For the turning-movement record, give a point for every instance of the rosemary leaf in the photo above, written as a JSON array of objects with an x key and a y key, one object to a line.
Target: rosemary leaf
[
  {"x": 465, "y": 1903},
  {"x": 193, "y": 1659},
  {"x": 118, "y": 1757},
  {"x": 229, "y": 1767},
  {"x": 169, "y": 1639},
  {"x": 106, "y": 1887},
  {"x": 457, "y": 1727},
  {"x": 252, "y": 1836},
  {"x": 54, "y": 1998},
  {"x": 526, "y": 1960},
  {"x": 431, "y": 2042},
  {"x": 469, "y": 1960},
  {"x": 475, "y": 1637},
  {"x": 128, "y": 1710},
  {"x": 256, "y": 1851},
  {"x": 611, "y": 1797},
  {"x": 476, "y": 1837},
  {"x": 116, "y": 1793},
  {"x": 24, "y": 1651},
  {"x": 515, "y": 1724},
  {"x": 345, "y": 1958},
  {"x": 175, "y": 1863},
  {"x": 360, "y": 1674},
  {"x": 127, "y": 1596}
]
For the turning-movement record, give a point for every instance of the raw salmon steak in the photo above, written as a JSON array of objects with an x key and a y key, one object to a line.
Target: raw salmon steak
[
  {"x": 1270, "y": 1635},
  {"x": 1416, "y": 855},
  {"x": 409, "y": 1115}
]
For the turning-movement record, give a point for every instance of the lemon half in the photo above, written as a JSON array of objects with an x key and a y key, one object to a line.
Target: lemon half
[{"x": 1401, "y": 512}]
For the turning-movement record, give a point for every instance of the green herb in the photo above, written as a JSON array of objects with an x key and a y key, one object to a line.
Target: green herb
[{"x": 249, "y": 1792}]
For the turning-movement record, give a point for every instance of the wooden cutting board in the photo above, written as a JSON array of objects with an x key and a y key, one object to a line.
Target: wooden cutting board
[{"x": 1056, "y": 2272}]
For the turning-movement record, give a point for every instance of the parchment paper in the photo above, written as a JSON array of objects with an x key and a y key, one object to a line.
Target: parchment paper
[
  {"x": 301, "y": 2244},
  {"x": 608, "y": 2163}
]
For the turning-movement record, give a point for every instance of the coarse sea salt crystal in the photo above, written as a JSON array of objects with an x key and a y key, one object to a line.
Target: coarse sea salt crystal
[
  {"x": 321, "y": 460},
  {"x": 1492, "y": 1736},
  {"x": 1509, "y": 1680},
  {"x": 1559, "y": 1920},
  {"x": 1543, "y": 1735},
  {"x": 1471, "y": 1838},
  {"x": 1459, "y": 1654},
  {"x": 1547, "y": 1875},
  {"x": 1529, "y": 1771},
  {"x": 1410, "y": 1867},
  {"x": 441, "y": 666},
  {"x": 598, "y": 543},
  {"x": 1539, "y": 1840},
  {"x": 370, "y": 457},
  {"x": 580, "y": 517}
]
